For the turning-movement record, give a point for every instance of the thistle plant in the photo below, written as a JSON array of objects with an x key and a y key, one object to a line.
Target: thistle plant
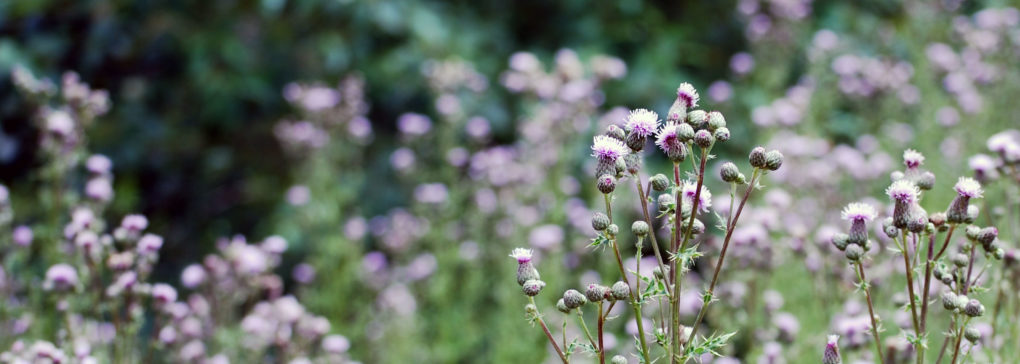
[
  {"x": 687, "y": 134},
  {"x": 916, "y": 236}
]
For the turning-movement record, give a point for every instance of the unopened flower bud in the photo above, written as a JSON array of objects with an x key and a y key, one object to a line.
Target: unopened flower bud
[
  {"x": 666, "y": 202},
  {"x": 615, "y": 132},
  {"x": 621, "y": 167},
  {"x": 960, "y": 260},
  {"x": 703, "y": 139},
  {"x": 854, "y": 252},
  {"x": 949, "y": 300},
  {"x": 620, "y": 291},
  {"x": 917, "y": 219},
  {"x": 972, "y": 232},
  {"x": 972, "y": 334},
  {"x": 840, "y": 241},
  {"x": 525, "y": 269},
  {"x": 599, "y": 221},
  {"x": 531, "y": 309},
  {"x": 698, "y": 227},
  {"x": 889, "y": 229},
  {"x": 757, "y": 157},
  {"x": 972, "y": 214},
  {"x": 596, "y": 292},
  {"x": 729, "y": 172},
  {"x": 639, "y": 228},
  {"x": 659, "y": 182},
  {"x": 773, "y": 160},
  {"x": 562, "y": 306},
  {"x": 999, "y": 253},
  {"x": 532, "y": 287},
  {"x": 574, "y": 299},
  {"x": 716, "y": 120},
  {"x": 987, "y": 235},
  {"x": 613, "y": 230},
  {"x": 925, "y": 181},
  {"x": 974, "y": 308},
  {"x": 618, "y": 359},
  {"x": 961, "y": 302},
  {"x": 938, "y": 218},
  {"x": 721, "y": 134},
  {"x": 635, "y": 141},
  {"x": 697, "y": 119},
  {"x": 606, "y": 184},
  {"x": 831, "y": 354}
]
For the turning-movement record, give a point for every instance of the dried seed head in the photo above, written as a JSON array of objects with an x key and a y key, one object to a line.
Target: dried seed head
[
  {"x": 729, "y": 172},
  {"x": 574, "y": 299},
  {"x": 532, "y": 287},
  {"x": 659, "y": 182},
  {"x": 599, "y": 221},
  {"x": 757, "y": 157},
  {"x": 620, "y": 291},
  {"x": 639, "y": 228},
  {"x": 606, "y": 184}
]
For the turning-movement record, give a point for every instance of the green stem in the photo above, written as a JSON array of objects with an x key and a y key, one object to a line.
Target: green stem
[
  {"x": 547, "y": 333},
  {"x": 871, "y": 311}
]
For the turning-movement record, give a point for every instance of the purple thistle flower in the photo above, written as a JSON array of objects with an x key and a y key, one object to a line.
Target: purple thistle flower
[
  {"x": 704, "y": 200},
  {"x": 60, "y": 277},
  {"x": 687, "y": 95},
  {"x": 149, "y": 244},
  {"x": 134, "y": 223},
  {"x": 192, "y": 276},
  {"x": 642, "y": 122},
  {"x": 903, "y": 191},
  {"x": 859, "y": 214},
  {"x": 968, "y": 187},
  {"x": 522, "y": 255},
  {"x": 163, "y": 293},
  {"x": 831, "y": 355},
  {"x": 608, "y": 149},
  {"x": 983, "y": 167},
  {"x": 22, "y": 236},
  {"x": 671, "y": 139},
  {"x": 912, "y": 159}
]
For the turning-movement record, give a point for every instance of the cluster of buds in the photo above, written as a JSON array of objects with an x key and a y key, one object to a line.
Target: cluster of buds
[
  {"x": 527, "y": 275},
  {"x": 856, "y": 243}
]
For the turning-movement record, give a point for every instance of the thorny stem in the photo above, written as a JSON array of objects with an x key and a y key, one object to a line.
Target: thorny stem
[
  {"x": 602, "y": 346},
  {"x": 871, "y": 311},
  {"x": 924, "y": 298},
  {"x": 687, "y": 238},
  {"x": 651, "y": 231},
  {"x": 673, "y": 300},
  {"x": 722, "y": 255},
  {"x": 623, "y": 273},
  {"x": 910, "y": 284},
  {"x": 549, "y": 334}
]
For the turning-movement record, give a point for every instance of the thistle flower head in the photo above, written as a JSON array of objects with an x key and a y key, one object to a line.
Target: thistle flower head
[
  {"x": 687, "y": 95},
  {"x": 704, "y": 200},
  {"x": 903, "y": 191},
  {"x": 912, "y": 159},
  {"x": 831, "y": 355},
  {"x": 607, "y": 148},
  {"x": 642, "y": 122},
  {"x": 671, "y": 139},
  {"x": 968, "y": 187},
  {"x": 521, "y": 254},
  {"x": 859, "y": 211}
]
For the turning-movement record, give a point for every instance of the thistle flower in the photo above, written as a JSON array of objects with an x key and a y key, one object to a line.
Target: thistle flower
[
  {"x": 966, "y": 189},
  {"x": 687, "y": 96},
  {"x": 672, "y": 140},
  {"x": 163, "y": 293},
  {"x": 831, "y": 355},
  {"x": 912, "y": 159},
  {"x": 60, "y": 277},
  {"x": 904, "y": 194},
  {"x": 704, "y": 200},
  {"x": 642, "y": 122},
  {"x": 607, "y": 150},
  {"x": 859, "y": 214},
  {"x": 525, "y": 269},
  {"x": 22, "y": 236}
]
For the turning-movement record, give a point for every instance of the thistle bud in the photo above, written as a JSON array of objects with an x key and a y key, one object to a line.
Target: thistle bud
[
  {"x": 858, "y": 214},
  {"x": 757, "y": 157},
  {"x": 987, "y": 235},
  {"x": 621, "y": 167},
  {"x": 666, "y": 202},
  {"x": 703, "y": 139},
  {"x": 831, "y": 354},
  {"x": 729, "y": 172},
  {"x": 773, "y": 160},
  {"x": 659, "y": 182},
  {"x": 961, "y": 302},
  {"x": 721, "y": 134},
  {"x": 840, "y": 241},
  {"x": 854, "y": 252},
  {"x": 972, "y": 232},
  {"x": 618, "y": 359},
  {"x": 606, "y": 184},
  {"x": 685, "y": 132},
  {"x": 635, "y": 141},
  {"x": 889, "y": 228},
  {"x": 957, "y": 211},
  {"x": 574, "y": 299},
  {"x": 616, "y": 132},
  {"x": 960, "y": 260},
  {"x": 716, "y": 120},
  {"x": 596, "y": 292},
  {"x": 925, "y": 181},
  {"x": 698, "y": 227},
  {"x": 562, "y": 306},
  {"x": 972, "y": 334},
  {"x": 525, "y": 269},
  {"x": 532, "y": 287},
  {"x": 531, "y": 309},
  {"x": 949, "y": 300},
  {"x": 917, "y": 219},
  {"x": 639, "y": 228},
  {"x": 599, "y": 221},
  {"x": 620, "y": 291},
  {"x": 633, "y": 162},
  {"x": 613, "y": 230},
  {"x": 938, "y": 218},
  {"x": 697, "y": 119},
  {"x": 974, "y": 308},
  {"x": 972, "y": 214},
  {"x": 999, "y": 253}
]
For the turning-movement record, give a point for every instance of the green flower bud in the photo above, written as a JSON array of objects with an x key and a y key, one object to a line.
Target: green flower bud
[
  {"x": 697, "y": 119},
  {"x": 599, "y": 221},
  {"x": 972, "y": 334},
  {"x": 773, "y": 160},
  {"x": 659, "y": 182},
  {"x": 562, "y": 306},
  {"x": 620, "y": 291},
  {"x": 729, "y": 172},
  {"x": 639, "y": 228},
  {"x": 721, "y": 134},
  {"x": 703, "y": 139},
  {"x": 926, "y": 181},
  {"x": 532, "y": 287},
  {"x": 606, "y": 184},
  {"x": 616, "y": 132},
  {"x": 757, "y": 157},
  {"x": 960, "y": 260},
  {"x": 613, "y": 230},
  {"x": 840, "y": 240},
  {"x": 574, "y": 299},
  {"x": 854, "y": 252},
  {"x": 618, "y": 359},
  {"x": 949, "y": 300},
  {"x": 974, "y": 308},
  {"x": 596, "y": 292},
  {"x": 716, "y": 120}
]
